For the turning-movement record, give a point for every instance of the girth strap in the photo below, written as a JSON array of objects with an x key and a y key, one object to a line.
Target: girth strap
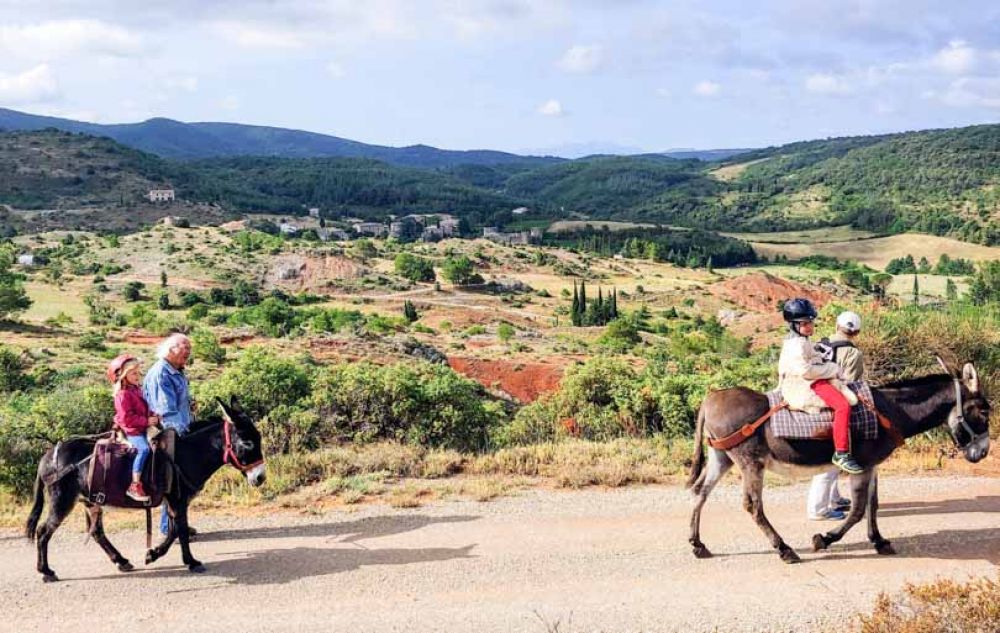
[{"x": 745, "y": 431}]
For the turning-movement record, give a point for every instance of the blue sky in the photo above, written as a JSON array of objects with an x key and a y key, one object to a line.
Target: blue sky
[{"x": 564, "y": 75}]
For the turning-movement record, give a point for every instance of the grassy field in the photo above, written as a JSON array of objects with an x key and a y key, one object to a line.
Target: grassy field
[
  {"x": 877, "y": 252},
  {"x": 732, "y": 172},
  {"x": 845, "y": 233}
]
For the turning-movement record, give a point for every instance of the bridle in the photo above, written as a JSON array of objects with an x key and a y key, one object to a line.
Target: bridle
[
  {"x": 960, "y": 417},
  {"x": 229, "y": 453}
]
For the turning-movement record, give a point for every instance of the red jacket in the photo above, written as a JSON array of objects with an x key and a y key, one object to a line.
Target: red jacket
[{"x": 131, "y": 411}]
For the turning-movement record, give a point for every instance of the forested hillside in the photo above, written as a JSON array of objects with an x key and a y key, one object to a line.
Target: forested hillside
[{"x": 943, "y": 182}]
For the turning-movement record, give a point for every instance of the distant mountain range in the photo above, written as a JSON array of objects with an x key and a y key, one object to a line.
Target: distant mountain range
[{"x": 189, "y": 141}]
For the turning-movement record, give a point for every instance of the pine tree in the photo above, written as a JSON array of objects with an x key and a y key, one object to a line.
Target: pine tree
[
  {"x": 410, "y": 311},
  {"x": 950, "y": 289},
  {"x": 575, "y": 311}
]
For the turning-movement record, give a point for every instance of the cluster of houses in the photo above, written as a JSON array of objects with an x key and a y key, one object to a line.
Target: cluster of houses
[
  {"x": 405, "y": 229},
  {"x": 494, "y": 234}
]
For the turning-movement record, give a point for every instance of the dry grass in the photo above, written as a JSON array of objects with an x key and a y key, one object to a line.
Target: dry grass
[
  {"x": 943, "y": 606},
  {"x": 845, "y": 233},
  {"x": 572, "y": 225},
  {"x": 732, "y": 172},
  {"x": 877, "y": 252}
]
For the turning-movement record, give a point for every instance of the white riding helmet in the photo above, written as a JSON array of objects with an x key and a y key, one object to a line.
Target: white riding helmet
[{"x": 850, "y": 322}]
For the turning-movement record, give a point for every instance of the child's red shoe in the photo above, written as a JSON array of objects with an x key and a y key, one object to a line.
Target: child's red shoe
[{"x": 135, "y": 491}]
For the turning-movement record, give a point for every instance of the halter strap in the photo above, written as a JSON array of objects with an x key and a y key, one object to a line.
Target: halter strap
[
  {"x": 960, "y": 416},
  {"x": 229, "y": 455}
]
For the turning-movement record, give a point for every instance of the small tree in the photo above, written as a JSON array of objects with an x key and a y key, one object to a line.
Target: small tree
[
  {"x": 163, "y": 301},
  {"x": 505, "y": 332},
  {"x": 950, "y": 290},
  {"x": 13, "y": 298},
  {"x": 460, "y": 271},
  {"x": 410, "y": 311},
  {"x": 133, "y": 291},
  {"x": 163, "y": 279},
  {"x": 414, "y": 268},
  {"x": 916, "y": 291}
]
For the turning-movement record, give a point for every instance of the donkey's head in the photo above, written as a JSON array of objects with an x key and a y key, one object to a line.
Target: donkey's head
[
  {"x": 969, "y": 420},
  {"x": 243, "y": 448}
]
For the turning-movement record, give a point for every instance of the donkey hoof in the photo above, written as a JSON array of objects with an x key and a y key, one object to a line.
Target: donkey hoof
[
  {"x": 196, "y": 568},
  {"x": 789, "y": 556},
  {"x": 50, "y": 577},
  {"x": 819, "y": 542},
  {"x": 126, "y": 566},
  {"x": 885, "y": 548},
  {"x": 700, "y": 551},
  {"x": 151, "y": 557}
]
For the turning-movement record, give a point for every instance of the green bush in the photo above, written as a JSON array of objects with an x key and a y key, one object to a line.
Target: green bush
[
  {"x": 91, "y": 341},
  {"x": 415, "y": 402},
  {"x": 205, "y": 346},
  {"x": 414, "y": 268},
  {"x": 262, "y": 381},
  {"x": 288, "y": 429},
  {"x": 12, "y": 376}
]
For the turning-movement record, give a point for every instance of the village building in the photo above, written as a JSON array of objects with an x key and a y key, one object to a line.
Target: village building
[
  {"x": 314, "y": 212},
  {"x": 26, "y": 259},
  {"x": 288, "y": 229},
  {"x": 332, "y": 234},
  {"x": 375, "y": 229},
  {"x": 449, "y": 227},
  {"x": 160, "y": 195}
]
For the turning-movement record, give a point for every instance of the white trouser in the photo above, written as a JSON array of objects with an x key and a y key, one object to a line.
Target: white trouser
[{"x": 823, "y": 493}]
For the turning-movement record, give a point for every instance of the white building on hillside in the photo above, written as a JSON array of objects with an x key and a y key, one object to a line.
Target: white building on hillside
[
  {"x": 160, "y": 195},
  {"x": 314, "y": 212}
]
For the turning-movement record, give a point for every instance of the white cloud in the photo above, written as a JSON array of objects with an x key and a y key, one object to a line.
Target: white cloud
[
  {"x": 826, "y": 84},
  {"x": 552, "y": 107},
  {"x": 336, "y": 70},
  {"x": 33, "y": 85},
  {"x": 181, "y": 83},
  {"x": 957, "y": 58},
  {"x": 707, "y": 88},
  {"x": 972, "y": 92},
  {"x": 56, "y": 39},
  {"x": 250, "y": 35},
  {"x": 581, "y": 59}
]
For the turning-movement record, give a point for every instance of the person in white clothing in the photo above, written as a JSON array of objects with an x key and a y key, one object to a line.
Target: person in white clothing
[{"x": 825, "y": 502}]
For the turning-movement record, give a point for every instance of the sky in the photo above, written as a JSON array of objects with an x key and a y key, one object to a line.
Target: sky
[{"x": 549, "y": 76}]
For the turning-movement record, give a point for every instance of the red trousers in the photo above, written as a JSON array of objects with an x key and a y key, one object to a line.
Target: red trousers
[{"x": 841, "y": 414}]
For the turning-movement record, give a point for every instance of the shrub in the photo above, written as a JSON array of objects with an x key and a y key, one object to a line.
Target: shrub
[
  {"x": 414, "y": 268},
  {"x": 198, "y": 312},
  {"x": 505, "y": 332},
  {"x": 91, "y": 341},
  {"x": 12, "y": 376},
  {"x": 460, "y": 271},
  {"x": 205, "y": 346},
  {"x": 413, "y": 402},
  {"x": 262, "y": 381},
  {"x": 288, "y": 429}
]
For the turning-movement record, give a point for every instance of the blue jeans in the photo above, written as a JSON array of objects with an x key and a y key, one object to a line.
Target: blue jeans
[{"x": 142, "y": 451}]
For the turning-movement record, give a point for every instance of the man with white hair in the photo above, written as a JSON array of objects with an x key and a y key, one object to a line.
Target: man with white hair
[
  {"x": 167, "y": 393},
  {"x": 825, "y": 502}
]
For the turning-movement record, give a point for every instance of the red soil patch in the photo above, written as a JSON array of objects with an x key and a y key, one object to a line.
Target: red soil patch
[
  {"x": 521, "y": 380},
  {"x": 761, "y": 292}
]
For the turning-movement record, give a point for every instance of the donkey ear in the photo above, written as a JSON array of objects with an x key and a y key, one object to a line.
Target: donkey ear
[
  {"x": 234, "y": 404},
  {"x": 944, "y": 366},
  {"x": 970, "y": 377},
  {"x": 225, "y": 409}
]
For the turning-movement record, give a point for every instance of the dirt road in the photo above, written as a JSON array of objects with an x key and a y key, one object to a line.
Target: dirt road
[{"x": 593, "y": 560}]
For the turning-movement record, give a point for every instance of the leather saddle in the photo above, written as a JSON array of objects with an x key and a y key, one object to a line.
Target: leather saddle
[{"x": 110, "y": 474}]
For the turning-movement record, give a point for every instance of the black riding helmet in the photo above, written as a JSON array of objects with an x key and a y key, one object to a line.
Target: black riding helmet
[{"x": 797, "y": 310}]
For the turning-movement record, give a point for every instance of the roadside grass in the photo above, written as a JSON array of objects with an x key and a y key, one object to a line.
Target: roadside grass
[
  {"x": 942, "y": 605},
  {"x": 407, "y": 476}
]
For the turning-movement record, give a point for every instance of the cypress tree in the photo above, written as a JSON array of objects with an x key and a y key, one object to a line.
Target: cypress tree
[
  {"x": 574, "y": 313},
  {"x": 583, "y": 297},
  {"x": 614, "y": 303},
  {"x": 916, "y": 291},
  {"x": 599, "y": 308}
]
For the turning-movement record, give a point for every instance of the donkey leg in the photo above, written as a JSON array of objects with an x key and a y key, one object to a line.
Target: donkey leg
[
  {"x": 184, "y": 535},
  {"x": 164, "y": 546},
  {"x": 753, "y": 502},
  {"x": 859, "y": 502},
  {"x": 882, "y": 545},
  {"x": 60, "y": 505},
  {"x": 718, "y": 465},
  {"x": 95, "y": 524}
]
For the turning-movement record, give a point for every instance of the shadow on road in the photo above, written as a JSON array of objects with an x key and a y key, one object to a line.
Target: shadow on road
[
  {"x": 949, "y": 506},
  {"x": 279, "y": 565},
  {"x": 341, "y": 531},
  {"x": 982, "y": 544}
]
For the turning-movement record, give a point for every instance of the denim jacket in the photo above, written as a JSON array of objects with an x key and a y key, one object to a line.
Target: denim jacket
[{"x": 166, "y": 392}]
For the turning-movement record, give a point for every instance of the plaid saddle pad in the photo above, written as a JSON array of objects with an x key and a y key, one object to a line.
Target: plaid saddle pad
[{"x": 813, "y": 426}]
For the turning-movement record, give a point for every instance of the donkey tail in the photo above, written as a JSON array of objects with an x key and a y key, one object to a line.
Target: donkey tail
[
  {"x": 698, "y": 460},
  {"x": 31, "y": 525}
]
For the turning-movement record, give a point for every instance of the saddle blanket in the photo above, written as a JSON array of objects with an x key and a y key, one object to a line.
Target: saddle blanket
[
  {"x": 110, "y": 474},
  {"x": 814, "y": 426}
]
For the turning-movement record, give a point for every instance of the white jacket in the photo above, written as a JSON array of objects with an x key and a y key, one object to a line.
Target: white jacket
[{"x": 799, "y": 366}]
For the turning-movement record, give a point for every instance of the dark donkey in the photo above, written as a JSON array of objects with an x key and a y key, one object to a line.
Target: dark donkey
[
  {"x": 231, "y": 438},
  {"x": 912, "y": 406}
]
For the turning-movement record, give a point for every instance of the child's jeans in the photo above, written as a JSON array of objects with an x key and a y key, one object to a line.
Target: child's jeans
[{"x": 141, "y": 445}]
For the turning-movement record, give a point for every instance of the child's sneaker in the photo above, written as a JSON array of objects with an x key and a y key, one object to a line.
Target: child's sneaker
[
  {"x": 846, "y": 463},
  {"x": 135, "y": 491}
]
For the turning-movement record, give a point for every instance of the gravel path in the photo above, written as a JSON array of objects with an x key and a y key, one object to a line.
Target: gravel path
[{"x": 587, "y": 561}]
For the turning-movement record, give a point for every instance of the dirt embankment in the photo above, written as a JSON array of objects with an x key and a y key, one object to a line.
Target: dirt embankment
[
  {"x": 525, "y": 381},
  {"x": 759, "y": 295},
  {"x": 302, "y": 272}
]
